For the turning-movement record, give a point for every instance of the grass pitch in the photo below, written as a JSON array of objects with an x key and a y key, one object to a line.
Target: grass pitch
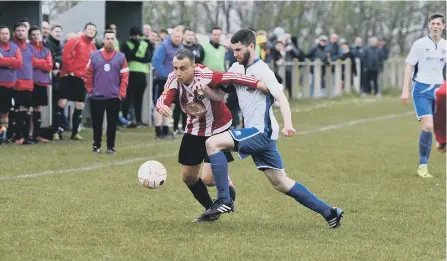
[{"x": 60, "y": 202}]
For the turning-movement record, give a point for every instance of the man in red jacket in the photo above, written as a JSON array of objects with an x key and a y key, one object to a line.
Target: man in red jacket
[
  {"x": 106, "y": 81},
  {"x": 75, "y": 57},
  {"x": 42, "y": 65},
  {"x": 440, "y": 118},
  {"x": 10, "y": 60}
]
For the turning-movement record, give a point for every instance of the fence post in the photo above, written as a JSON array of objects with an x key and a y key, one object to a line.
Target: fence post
[
  {"x": 296, "y": 88},
  {"x": 358, "y": 79},
  {"x": 317, "y": 78},
  {"x": 348, "y": 75},
  {"x": 337, "y": 86}
]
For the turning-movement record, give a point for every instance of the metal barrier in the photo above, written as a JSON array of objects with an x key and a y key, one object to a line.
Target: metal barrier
[{"x": 331, "y": 80}]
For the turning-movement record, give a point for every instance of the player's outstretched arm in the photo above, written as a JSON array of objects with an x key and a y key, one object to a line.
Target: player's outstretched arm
[
  {"x": 286, "y": 113},
  {"x": 216, "y": 95},
  {"x": 407, "y": 79}
]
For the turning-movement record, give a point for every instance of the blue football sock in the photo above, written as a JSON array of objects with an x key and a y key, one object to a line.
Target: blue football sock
[
  {"x": 425, "y": 142},
  {"x": 301, "y": 194},
  {"x": 219, "y": 166}
]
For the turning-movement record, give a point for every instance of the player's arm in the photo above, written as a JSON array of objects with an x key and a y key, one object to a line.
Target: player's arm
[
  {"x": 440, "y": 118},
  {"x": 275, "y": 89},
  {"x": 124, "y": 79},
  {"x": 13, "y": 63},
  {"x": 167, "y": 97},
  {"x": 88, "y": 77},
  {"x": 411, "y": 61},
  {"x": 220, "y": 78},
  {"x": 216, "y": 95}
]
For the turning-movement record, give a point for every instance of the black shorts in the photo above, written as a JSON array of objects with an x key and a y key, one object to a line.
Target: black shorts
[
  {"x": 6, "y": 95},
  {"x": 72, "y": 88},
  {"x": 40, "y": 96},
  {"x": 157, "y": 89},
  {"x": 23, "y": 99},
  {"x": 193, "y": 151}
]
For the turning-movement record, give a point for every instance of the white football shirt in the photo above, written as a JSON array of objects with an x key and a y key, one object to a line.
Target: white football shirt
[
  {"x": 429, "y": 59},
  {"x": 256, "y": 106}
]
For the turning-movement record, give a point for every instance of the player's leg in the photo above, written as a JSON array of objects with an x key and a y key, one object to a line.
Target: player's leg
[
  {"x": 207, "y": 175},
  {"x": 112, "y": 109},
  {"x": 270, "y": 162},
  {"x": 219, "y": 163},
  {"x": 6, "y": 95},
  {"x": 40, "y": 99},
  {"x": 78, "y": 96},
  {"x": 424, "y": 107},
  {"x": 97, "y": 108},
  {"x": 59, "y": 120},
  {"x": 191, "y": 154}
]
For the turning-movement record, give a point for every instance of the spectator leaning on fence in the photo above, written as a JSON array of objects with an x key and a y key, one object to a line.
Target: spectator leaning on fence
[{"x": 106, "y": 81}]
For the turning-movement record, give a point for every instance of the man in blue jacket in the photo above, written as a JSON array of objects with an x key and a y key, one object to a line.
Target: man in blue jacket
[{"x": 162, "y": 62}]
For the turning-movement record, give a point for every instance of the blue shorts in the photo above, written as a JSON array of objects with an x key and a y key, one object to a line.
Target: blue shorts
[
  {"x": 263, "y": 150},
  {"x": 424, "y": 99}
]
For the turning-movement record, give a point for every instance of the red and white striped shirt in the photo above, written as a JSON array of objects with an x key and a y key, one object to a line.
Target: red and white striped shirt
[{"x": 217, "y": 117}]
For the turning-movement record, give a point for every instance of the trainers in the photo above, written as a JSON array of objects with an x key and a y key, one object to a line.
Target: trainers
[
  {"x": 96, "y": 150},
  {"x": 77, "y": 137},
  {"x": 206, "y": 219},
  {"x": 55, "y": 136},
  {"x": 219, "y": 207},
  {"x": 423, "y": 171},
  {"x": 111, "y": 151},
  {"x": 334, "y": 221}
]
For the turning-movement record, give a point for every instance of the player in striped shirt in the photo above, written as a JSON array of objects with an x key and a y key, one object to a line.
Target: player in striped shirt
[{"x": 206, "y": 115}]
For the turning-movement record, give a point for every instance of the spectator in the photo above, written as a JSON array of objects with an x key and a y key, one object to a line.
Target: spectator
[
  {"x": 112, "y": 27},
  {"x": 106, "y": 81},
  {"x": 347, "y": 54},
  {"x": 214, "y": 51},
  {"x": 189, "y": 42},
  {"x": 359, "y": 53},
  {"x": 162, "y": 62},
  {"x": 45, "y": 31},
  {"x": 138, "y": 57},
  {"x": 373, "y": 64},
  {"x": 385, "y": 50},
  {"x": 163, "y": 33},
  {"x": 318, "y": 52}
]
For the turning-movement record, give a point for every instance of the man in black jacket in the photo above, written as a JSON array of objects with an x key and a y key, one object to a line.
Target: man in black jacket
[
  {"x": 373, "y": 64},
  {"x": 53, "y": 43}
]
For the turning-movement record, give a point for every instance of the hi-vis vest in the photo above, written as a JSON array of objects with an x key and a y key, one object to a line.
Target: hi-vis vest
[
  {"x": 214, "y": 58},
  {"x": 135, "y": 66}
]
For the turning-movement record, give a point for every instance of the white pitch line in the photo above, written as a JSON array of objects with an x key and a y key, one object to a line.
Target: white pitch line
[{"x": 128, "y": 161}]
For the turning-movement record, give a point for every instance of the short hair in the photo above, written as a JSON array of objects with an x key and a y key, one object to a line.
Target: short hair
[
  {"x": 24, "y": 20},
  {"x": 434, "y": 16},
  {"x": 244, "y": 36},
  {"x": 216, "y": 28},
  {"x": 163, "y": 30},
  {"x": 3, "y": 27},
  {"x": 187, "y": 29},
  {"x": 108, "y": 26},
  {"x": 19, "y": 24},
  {"x": 54, "y": 26},
  {"x": 185, "y": 53},
  {"x": 32, "y": 29},
  {"x": 108, "y": 31},
  {"x": 89, "y": 23}
]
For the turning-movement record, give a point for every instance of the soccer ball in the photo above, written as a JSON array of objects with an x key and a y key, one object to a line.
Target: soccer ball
[{"x": 152, "y": 174}]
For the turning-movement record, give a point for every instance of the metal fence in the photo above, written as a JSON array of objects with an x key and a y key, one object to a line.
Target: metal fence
[{"x": 307, "y": 82}]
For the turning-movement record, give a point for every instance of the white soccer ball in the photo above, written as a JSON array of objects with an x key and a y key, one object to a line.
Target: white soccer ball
[{"x": 152, "y": 174}]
